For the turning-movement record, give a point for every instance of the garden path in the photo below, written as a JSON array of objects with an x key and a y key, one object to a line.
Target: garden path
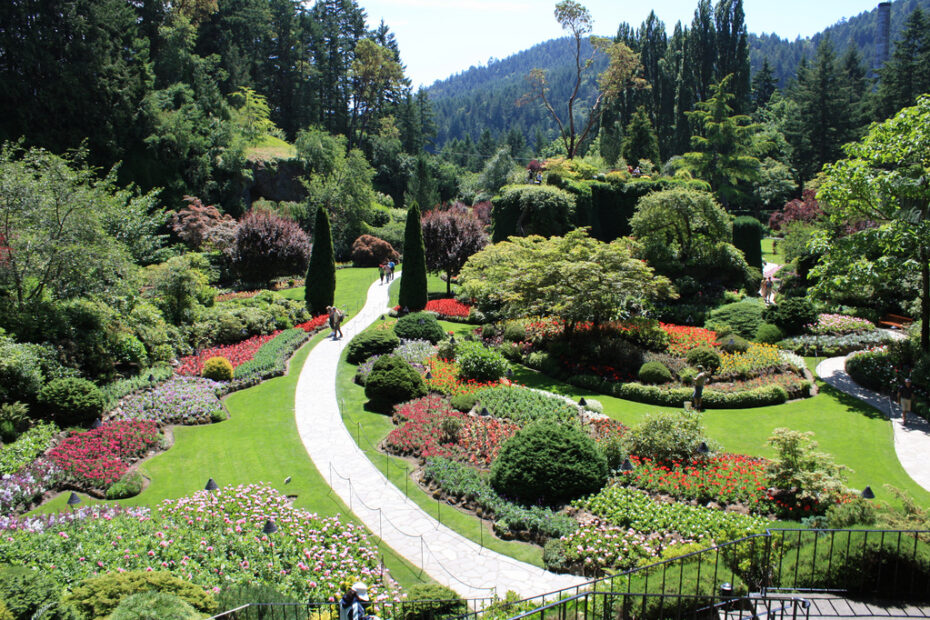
[
  {"x": 448, "y": 557},
  {"x": 911, "y": 442}
]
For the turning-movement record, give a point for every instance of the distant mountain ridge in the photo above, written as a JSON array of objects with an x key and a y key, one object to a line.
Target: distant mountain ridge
[{"x": 485, "y": 97}]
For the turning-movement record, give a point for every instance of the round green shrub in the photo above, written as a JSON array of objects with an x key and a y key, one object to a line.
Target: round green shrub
[
  {"x": 743, "y": 317},
  {"x": 548, "y": 462},
  {"x": 464, "y": 402},
  {"x": 393, "y": 381},
  {"x": 667, "y": 437},
  {"x": 791, "y": 315},
  {"x": 655, "y": 373},
  {"x": 419, "y": 326},
  {"x": 130, "y": 350},
  {"x": 514, "y": 331},
  {"x": 217, "y": 368},
  {"x": 426, "y": 601},
  {"x": 129, "y": 485},
  {"x": 705, "y": 357},
  {"x": 733, "y": 343},
  {"x": 97, "y": 597},
  {"x": 371, "y": 342},
  {"x": 488, "y": 331},
  {"x": 769, "y": 333},
  {"x": 154, "y": 606},
  {"x": 480, "y": 363},
  {"x": 72, "y": 401}
]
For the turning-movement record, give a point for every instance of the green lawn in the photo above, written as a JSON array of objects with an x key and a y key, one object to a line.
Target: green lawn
[
  {"x": 258, "y": 443},
  {"x": 434, "y": 284},
  {"x": 771, "y": 255},
  {"x": 369, "y": 429},
  {"x": 268, "y": 148},
  {"x": 351, "y": 288}
]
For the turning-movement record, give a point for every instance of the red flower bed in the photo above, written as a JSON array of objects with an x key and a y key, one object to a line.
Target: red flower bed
[
  {"x": 430, "y": 427},
  {"x": 313, "y": 324},
  {"x": 727, "y": 479},
  {"x": 237, "y": 354},
  {"x": 682, "y": 338},
  {"x": 448, "y": 308},
  {"x": 604, "y": 430},
  {"x": 97, "y": 458},
  {"x": 236, "y": 295}
]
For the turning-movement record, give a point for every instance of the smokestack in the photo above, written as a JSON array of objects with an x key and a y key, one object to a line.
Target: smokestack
[{"x": 883, "y": 46}]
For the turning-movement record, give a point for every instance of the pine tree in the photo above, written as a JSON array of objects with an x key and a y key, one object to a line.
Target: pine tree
[
  {"x": 764, "y": 85},
  {"x": 906, "y": 74},
  {"x": 639, "y": 140},
  {"x": 320, "y": 288},
  {"x": 413, "y": 283}
]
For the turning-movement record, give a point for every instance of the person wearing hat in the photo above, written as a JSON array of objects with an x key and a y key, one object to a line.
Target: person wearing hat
[
  {"x": 352, "y": 605},
  {"x": 905, "y": 394}
]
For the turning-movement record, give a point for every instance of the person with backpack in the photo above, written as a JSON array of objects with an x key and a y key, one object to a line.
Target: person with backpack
[
  {"x": 391, "y": 266},
  {"x": 338, "y": 317},
  {"x": 352, "y": 604}
]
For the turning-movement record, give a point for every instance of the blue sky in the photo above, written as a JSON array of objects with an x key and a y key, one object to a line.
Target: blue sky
[{"x": 441, "y": 37}]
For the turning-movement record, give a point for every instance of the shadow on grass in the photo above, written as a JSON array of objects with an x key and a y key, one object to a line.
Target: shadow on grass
[{"x": 851, "y": 403}]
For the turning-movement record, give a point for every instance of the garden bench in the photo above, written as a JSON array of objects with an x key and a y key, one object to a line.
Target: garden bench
[{"x": 895, "y": 321}]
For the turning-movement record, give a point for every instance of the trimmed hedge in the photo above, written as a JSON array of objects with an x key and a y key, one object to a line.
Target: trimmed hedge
[
  {"x": 675, "y": 397},
  {"x": 747, "y": 237},
  {"x": 271, "y": 359},
  {"x": 655, "y": 373},
  {"x": 372, "y": 342},
  {"x": 419, "y": 326},
  {"x": 393, "y": 381}
]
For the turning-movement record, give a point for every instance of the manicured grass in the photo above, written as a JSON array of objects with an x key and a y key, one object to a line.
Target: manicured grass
[
  {"x": 258, "y": 443},
  {"x": 857, "y": 435},
  {"x": 772, "y": 251},
  {"x": 369, "y": 429},
  {"x": 351, "y": 288},
  {"x": 434, "y": 284}
]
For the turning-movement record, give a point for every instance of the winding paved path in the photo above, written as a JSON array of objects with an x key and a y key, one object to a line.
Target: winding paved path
[
  {"x": 911, "y": 442},
  {"x": 448, "y": 557}
]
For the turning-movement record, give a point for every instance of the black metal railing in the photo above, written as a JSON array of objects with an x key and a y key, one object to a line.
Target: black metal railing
[{"x": 403, "y": 610}]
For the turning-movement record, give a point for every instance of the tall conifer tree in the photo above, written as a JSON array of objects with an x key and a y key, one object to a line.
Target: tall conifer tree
[
  {"x": 321, "y": 273},
  {"x": 413, "y": 283}
]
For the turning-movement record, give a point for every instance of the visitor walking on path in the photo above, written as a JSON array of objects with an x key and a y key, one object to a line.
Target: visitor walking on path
[
  {"x": 381, "y": 273},
  {"x": 338, "y": 317},
  {"x": 911, "y": 442},
  {"x": 905, "y": 394}
]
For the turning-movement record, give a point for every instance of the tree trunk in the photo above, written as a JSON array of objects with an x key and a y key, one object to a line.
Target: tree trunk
[{"x": 449, "y": 283}]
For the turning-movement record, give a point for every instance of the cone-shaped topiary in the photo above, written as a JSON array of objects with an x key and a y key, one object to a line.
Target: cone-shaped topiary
[
  {"x": 321, "y": 273},
  {"x": 413, "y": 284},
  {"x": 747, "y": 236},
  {"x": 548, "y": 462}
]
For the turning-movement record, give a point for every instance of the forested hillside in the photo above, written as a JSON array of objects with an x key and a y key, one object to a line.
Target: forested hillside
[{"x": 485, "y": 98}]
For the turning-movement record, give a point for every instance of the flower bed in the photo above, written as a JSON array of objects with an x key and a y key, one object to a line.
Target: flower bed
[
  {"x": 768, "y": 394},
  {"x": 634, "y": 509},
  {"x": 725, "y": 479},
  {"x": 212, "y": 540},
  {"x": 448, "y": 309},
  {"x": 28, "y": 447},
  {"x": 149, "y": 377},
  {"x": 181, "y": 400},
  {"x": 314, "y": 324},
  {"x": 873, "y": 369},
  {"x": 429, "y": 427},
  {"x": 97, "y": 458},
  {"x": 236, "y": 295},
  {"x": 270, "y": 360},
  {"x": 522, "y": 405},
  {"x": 415, "y": 351},
  {"x": 838, "y": 324},
  {"x": 682, "y": 338},
  {"x": 829, "y": 346},
  {"x": 42, "y": 522},
  {"x": 466, "y": 485},
  {"x": 18, "y": 491},
  {"x": 758, "y": 358},
  {"x": 237, "y": 354},
  {"x": 596, "y": 546},
  {"x": 445, "y": 379}
]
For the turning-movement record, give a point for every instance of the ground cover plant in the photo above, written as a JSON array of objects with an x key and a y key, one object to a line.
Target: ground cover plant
[
  {"x": 27, "y": 447},
  {"x": 180, "y": 400}
]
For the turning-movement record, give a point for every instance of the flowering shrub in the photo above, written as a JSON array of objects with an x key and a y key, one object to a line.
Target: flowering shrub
[
  {"x": 430, "y": 427},
  {"x": 448, "y": 309},
  {"x": 597, "y": 545},
  {"x": 757, "y": 358},
  {"x": 181, "y": 400},
  {"x": 873, "y": 368},
  {"x": 212, "y": 540},
  {"x": 27, "y": 447},
  {"x": 19, "y": 490},
  {"x": 97, "y": 458},
  {"x": 725, "y": 479},
  {"x": 682, "y": 338},
  {"x": 634, "y": 509},
  {"x": 837, "y": 324},
  {"x": 829, "y": 346},
  {"x": 237, "y": 354}
]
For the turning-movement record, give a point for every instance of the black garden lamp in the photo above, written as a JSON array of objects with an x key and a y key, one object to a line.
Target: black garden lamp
[
  {"x": 211, "y": 485},
  {"x": 703, "y": 449},
  {"x": 421, "y": 321},
  {"x": 582, "y": 402},
  {"x": 96, "y": 424},
  {"x": 382, "y": 317},
  {"x": 509, "y": 373},
  {"x": 270, "y": 528},
  {"x": 867, "y": 493},
  {"x": 485, "y": 412},
  {"x": 73, "y": 500},
  {"x": 428, "y": 375},
  {"x": 627, "y": 466}
]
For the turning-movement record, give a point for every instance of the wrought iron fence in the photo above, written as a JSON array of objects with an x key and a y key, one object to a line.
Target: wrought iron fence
[{"x": 404, "y": 610}]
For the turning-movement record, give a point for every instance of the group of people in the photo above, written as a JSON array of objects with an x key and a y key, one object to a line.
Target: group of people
[
  {"x": 767, "y": 290},
  {"x": 336, "y": 317},
  {"x": 386, "y": 271}
]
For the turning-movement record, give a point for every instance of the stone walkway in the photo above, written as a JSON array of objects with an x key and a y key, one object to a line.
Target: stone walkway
[
  {"x": 447, "y": 557},
  {"x": 911, "y": 442}
]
